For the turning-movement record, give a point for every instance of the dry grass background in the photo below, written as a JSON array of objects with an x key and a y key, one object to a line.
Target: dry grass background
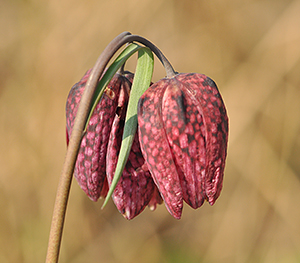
[{"x": 250, "y": 48}]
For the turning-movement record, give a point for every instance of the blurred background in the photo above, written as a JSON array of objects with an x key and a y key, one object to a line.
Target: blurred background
[{"x": 250, "y": 48}]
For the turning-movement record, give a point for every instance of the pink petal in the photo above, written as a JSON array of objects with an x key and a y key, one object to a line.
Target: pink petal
[
  {"x": 184, "y": 129},
  {"x": 215, "y": 121},
  {"x": 135, "y": 187},
  {"x": 156, "y": 149},
  {"x": 90, "y": 168}
]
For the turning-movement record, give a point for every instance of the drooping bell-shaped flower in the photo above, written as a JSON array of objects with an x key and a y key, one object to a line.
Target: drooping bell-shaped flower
[
  {"x": 183, "y": 132},
  {"x": 135, "y": 187},
  {"x": 90, "y": 168},
  {"x": 100, "y": 146}
]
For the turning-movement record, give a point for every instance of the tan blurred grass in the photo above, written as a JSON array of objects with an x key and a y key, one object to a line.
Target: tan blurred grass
[{"x": 251, "y": 49}]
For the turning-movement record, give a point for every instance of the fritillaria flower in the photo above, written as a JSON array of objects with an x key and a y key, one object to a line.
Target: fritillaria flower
[
  {"x": 90, "y": 168},
  {"x": 99, "y": 150},
  {"x": 177, "y": 154},
  {"x": 179, "y": 151},
  {"x": 183, "y": 132}
]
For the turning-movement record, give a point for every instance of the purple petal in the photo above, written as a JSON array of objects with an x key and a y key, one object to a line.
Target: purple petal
[
  {"x": 90, "y": 168},
  {"x": 215, "y": 122},
  {"x": 184, "y": 128},
  {"x": 156, "y": 149},
  {"x": 135, "y": 187}
]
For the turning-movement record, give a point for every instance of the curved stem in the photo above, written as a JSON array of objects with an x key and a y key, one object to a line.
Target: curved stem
[
  {"x": 73, "y": 147},
  {"x": 136, "y": 38},
  {"x": 166, "y": 63}
]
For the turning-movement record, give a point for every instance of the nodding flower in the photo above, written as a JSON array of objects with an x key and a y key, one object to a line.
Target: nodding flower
[
  {"x": 183, "y": 132},
  {"x": 100, "y": 145},
  {"x": 178, "y": 153}
]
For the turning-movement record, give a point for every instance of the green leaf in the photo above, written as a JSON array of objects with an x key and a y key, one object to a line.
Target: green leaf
[
  {"x": 141, "y": 82},
  {"x": 110, "y": 72}
]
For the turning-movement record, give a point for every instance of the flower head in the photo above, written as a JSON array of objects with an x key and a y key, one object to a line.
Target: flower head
[
  {"x": 90, "y": 168},
  {"x": 183, "y": 130},
  {"x": 99, "y": 150},
  {"x": 178, "y": 153}
]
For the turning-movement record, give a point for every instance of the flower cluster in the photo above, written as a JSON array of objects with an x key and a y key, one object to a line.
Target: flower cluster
[
  {"x": 177, "y": 155},
  {"x": 179, "y": 150}
]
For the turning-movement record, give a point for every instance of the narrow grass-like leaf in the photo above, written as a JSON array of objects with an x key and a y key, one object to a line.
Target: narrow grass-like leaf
[
  {"x": 141, "y": 82},
  {"x": 110, "y": 72}
]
